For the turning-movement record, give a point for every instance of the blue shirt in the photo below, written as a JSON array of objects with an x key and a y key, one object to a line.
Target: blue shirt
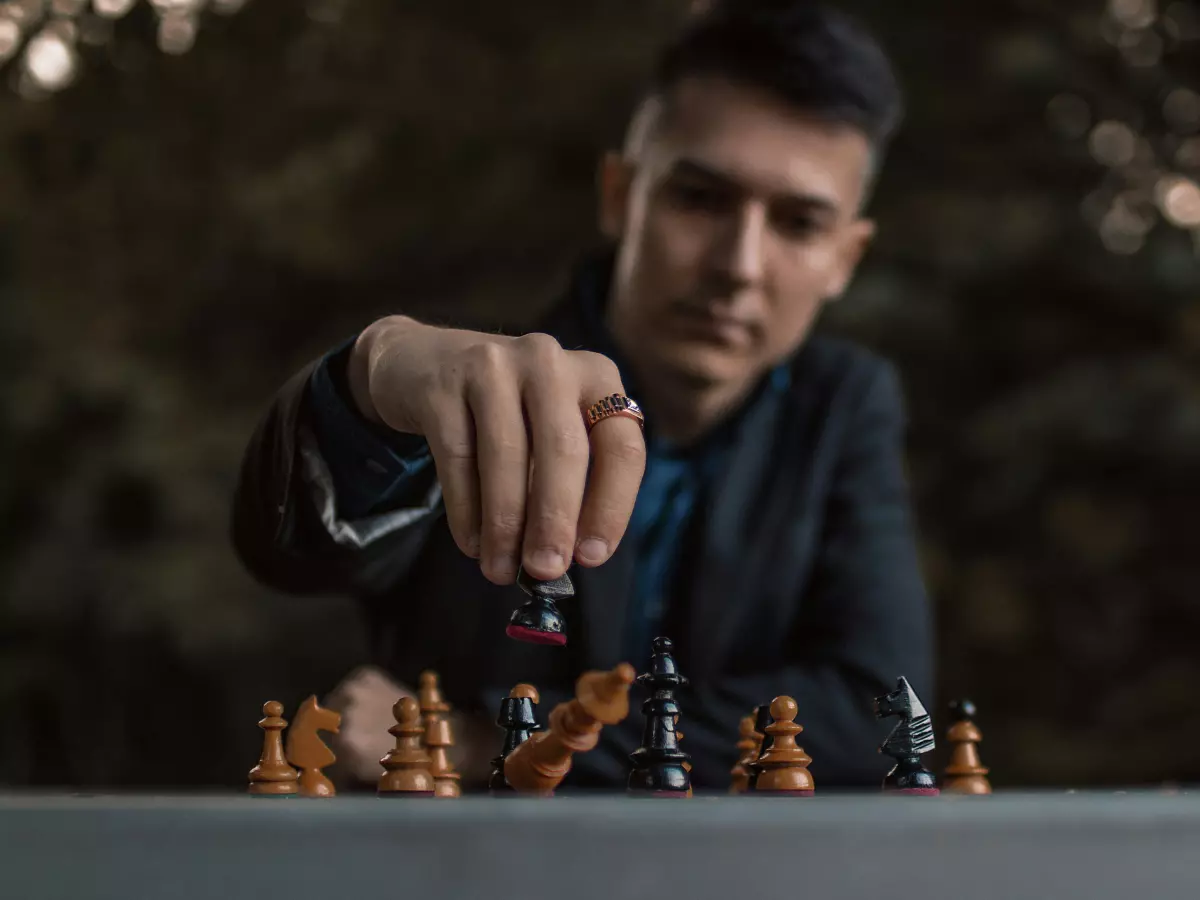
[{"x": 375, "y": 470}]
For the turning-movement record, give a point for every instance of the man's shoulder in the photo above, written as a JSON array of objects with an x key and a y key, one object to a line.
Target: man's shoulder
[{"x": 839, "y": 370}]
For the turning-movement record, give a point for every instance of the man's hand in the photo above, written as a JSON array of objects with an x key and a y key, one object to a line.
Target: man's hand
[
  {"x": 365, "y": 698},
  {"x": 503, "y": 418}
]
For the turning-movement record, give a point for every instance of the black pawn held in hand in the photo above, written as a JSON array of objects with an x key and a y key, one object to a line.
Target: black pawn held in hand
[
  {"x": 537, "y": 620},
  {"x": 518, "y": 718},
  {"x": 911, "y": 737},
  {"x": 659, "y": 765}
]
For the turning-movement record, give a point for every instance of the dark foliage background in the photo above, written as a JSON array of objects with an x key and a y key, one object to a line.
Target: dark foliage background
[{"x": 179, "y": 233}]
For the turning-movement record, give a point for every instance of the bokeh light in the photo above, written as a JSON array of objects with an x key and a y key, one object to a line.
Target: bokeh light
[
  {"x": 10, "y": 38},
  {"x": 1179, "y": 199},
  {"x": 1133, "y": 13},
  {"x": 1112, "y": 143},
  {"x": 1141, "y": 47},
  {"x": 50, "y": 61},
  {"x": 1181, "y": 20},
  {"x": 1188, "y": 154},
  {"x": 1181, "y": 109},
  {"x": 112, "y": 9},
  {"x": 176, "y": 32}
]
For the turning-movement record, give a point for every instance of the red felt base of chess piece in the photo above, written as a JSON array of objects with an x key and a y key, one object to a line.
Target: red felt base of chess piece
[
  {"x": 917, "y": 792},
  {"x": 532, "y": 636}
]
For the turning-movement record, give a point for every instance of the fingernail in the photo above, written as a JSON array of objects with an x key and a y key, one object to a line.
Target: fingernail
[
  {"x": 548, "y": 560},
  {"x": 473, "y": 547},
  {"x": 504, "y": 567},
  {"x": 593, "y": 550}
]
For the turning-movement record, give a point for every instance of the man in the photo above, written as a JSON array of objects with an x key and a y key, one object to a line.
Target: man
[{"x": 761, "y": 520}]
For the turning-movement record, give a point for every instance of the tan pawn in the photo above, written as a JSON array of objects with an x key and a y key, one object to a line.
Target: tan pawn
[
  {"x": 429, "y": 694},
  {"x": 748, "y": 744},
  {"x": 966, "y": 773},
  {"x": 783, "y": 768},
  {"x": 407, "y": 764},
  {"x": 273, "y": 777},
  {"x": 438, "y": 739},
  {"x": 539, "y": 765}
]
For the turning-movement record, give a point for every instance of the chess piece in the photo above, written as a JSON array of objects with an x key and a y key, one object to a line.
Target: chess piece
[
  {"x": 537, "y": 620},
  {"x": 762, "y": 718},
  {"x": 437, "y": 741},
  {"x": 965, "y": 774},
  {"x": 783, "y": 766},
  {"x": 912, "y": 736},
  {"x": 518, "y": 718},
  {"x": 407, "y": 764},
  {"x": 747, "y": 747},
  {"x": 307, "y": 751},
  {"x": 273, "y": 777},
  {"x": 429, "y": 695},
  {"x": 539, "y": 765},
  {"x": 658, "y": 764},
  {"x": 687, "y": 766}
]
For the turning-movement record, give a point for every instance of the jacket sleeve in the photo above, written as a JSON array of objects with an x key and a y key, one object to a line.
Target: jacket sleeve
[
  {"x": 864, "y": 618},
  {"x": 286, "y": 526}
]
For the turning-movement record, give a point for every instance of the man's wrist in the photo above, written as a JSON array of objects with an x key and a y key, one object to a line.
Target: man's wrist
[{"x": 364, "y": 356}]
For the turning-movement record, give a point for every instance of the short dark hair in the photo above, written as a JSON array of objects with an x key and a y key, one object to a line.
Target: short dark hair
[{"x": 812, "y": 57}]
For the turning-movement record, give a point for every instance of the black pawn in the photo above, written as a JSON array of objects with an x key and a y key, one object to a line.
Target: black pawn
[
  {"x": 658, "y": 768},
  {"x": 537, "y": 620},
  {"x": 762, "y": 718},
  {"x": 518, "y": 718}
]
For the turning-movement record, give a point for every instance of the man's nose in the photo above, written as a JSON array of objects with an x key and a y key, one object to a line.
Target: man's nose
[{"x": 744, "y": 243}]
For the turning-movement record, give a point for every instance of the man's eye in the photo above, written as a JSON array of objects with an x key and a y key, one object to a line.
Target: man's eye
[
  {"x": 698, "y": 197},
  {"x": 797, "y": 226}
]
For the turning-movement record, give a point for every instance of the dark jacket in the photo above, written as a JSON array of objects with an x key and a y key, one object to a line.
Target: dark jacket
[{"x": 799, "y": 576}]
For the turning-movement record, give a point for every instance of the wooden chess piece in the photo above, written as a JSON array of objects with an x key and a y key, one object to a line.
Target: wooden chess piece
[
  {"x": 783, "y": 766},
  {"x": 538, "y": 620},
  {"x": 965, "y": 774},
  {"x": 747, "y": 746},
  {"x": 762, "y": 741},
  {"x": 429, "y": 694},
  {"x": 539, "y": 764},
  {"x": 437, "y": 740},
  {"x": 307, "y": 751},
  {"x": 912, "y": 736},
  {"x": 687, "y": 765},
  {"x": 658, "y": 763},
  {"x": 273, "y": 777},
  {"x": 407, "y": 765}
]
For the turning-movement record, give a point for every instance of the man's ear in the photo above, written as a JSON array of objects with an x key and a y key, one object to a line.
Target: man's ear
[
  {"x": 613, "y": 180},
  {"x": 854, "y": 244}
]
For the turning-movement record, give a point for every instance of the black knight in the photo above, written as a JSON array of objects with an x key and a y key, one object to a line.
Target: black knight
[{"x": 912, "y": 736}]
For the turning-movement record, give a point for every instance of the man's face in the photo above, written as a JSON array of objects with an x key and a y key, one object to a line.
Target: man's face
[{"x": 737, "y": 217}]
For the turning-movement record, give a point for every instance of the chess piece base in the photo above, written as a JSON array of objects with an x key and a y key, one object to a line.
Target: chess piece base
[
  {"x": 973, "y": 785},
  {"x": 315, "y": 785},
  {"x": 538, "y": 621},
  {"x": 910, "y": 776},
  {"x": 804, "y": 793}
]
